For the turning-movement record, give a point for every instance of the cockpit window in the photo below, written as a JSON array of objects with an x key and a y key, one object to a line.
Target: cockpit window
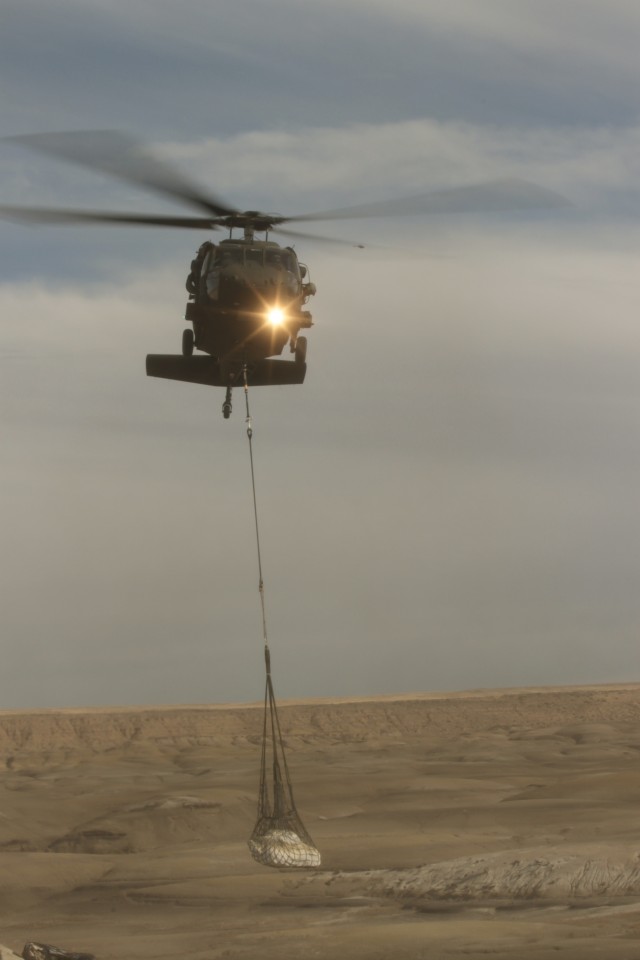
[
  {"x": 228, "y": 255},
  {"x": 274, "y": 258},
  {"x": 254, "y": 255},
  {"x": 277, "y": 258},
  {"x": 282, "y": 260}
]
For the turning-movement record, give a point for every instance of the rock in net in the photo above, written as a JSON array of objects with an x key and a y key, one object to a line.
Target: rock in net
[{"x": 279, "y": 838}]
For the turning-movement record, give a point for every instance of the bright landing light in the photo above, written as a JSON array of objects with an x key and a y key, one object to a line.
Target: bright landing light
[{"x": 275, "y": 316}]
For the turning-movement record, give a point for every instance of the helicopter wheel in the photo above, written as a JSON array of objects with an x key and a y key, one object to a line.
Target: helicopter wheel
[
  {"x": 301, "y": 350},
  {"x": 187, "y": 342}
]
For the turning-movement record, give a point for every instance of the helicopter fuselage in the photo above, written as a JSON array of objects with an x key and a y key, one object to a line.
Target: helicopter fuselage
[{"x": 246, "y": 299}]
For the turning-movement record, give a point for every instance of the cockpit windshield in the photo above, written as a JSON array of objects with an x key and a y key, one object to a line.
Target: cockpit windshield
[
  {"x": 282, "y": 260},
  {"x": 254, "y": 256},
  {"x": 260, "y": 266},
  {"x": 226, "y": 256},
  {"x": 274, "y": 257}
]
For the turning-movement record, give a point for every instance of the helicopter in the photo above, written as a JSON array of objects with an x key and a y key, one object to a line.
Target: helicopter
[{"x": 247, "y": 297}]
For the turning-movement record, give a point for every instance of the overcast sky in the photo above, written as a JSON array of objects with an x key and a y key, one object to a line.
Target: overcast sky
[{"x": 451, "y": 499}]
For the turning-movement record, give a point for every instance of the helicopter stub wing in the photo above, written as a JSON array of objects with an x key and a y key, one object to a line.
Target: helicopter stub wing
[{"x": 206, "y": 370}]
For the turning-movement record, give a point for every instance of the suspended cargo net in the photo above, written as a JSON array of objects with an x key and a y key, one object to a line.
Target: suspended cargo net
[{"x": 279, "y": 838}]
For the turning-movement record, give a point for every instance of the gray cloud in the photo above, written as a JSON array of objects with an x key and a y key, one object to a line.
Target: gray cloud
[
  {"x": 223, "y": 69},
  {"x": 588, "y": 163}
]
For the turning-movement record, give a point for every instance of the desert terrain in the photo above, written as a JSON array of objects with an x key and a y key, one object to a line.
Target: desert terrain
[{"x": 490, "y": 823}]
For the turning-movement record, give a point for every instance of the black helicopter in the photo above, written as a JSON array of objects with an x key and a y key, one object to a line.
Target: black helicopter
[
  {"x": 246, "y": 296},
  {"x": 246, "y": 299}
]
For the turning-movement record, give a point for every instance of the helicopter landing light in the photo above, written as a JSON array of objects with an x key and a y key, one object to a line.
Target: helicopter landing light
[{"x": 275, "y": 316}]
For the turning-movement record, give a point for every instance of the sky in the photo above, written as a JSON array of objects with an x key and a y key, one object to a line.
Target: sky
[{"x": 450, "y": 501}]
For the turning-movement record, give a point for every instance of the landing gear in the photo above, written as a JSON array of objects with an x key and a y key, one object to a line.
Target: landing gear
[
  {"x": 301, "y": 350},
  {"x": 226, "y": 406},
  {"x": 187, "y": 342}
]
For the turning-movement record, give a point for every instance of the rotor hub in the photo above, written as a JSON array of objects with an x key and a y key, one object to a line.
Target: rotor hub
[{"x": 251, "y": 221}]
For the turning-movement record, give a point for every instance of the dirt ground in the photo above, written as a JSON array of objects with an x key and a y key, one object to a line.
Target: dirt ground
[{"x": 491, "y": 823}]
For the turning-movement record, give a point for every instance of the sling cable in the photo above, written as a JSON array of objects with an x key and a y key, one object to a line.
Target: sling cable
[{"x": 279, "y": 838}]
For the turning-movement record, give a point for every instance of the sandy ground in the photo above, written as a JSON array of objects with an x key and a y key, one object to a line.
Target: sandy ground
[{"x": 493, "y": 823}]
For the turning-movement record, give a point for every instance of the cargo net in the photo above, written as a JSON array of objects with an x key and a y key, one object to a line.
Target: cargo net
[{"x": 279, "y": 838}]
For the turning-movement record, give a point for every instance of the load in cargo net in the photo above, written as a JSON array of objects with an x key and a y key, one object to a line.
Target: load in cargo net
[{"x": 279, "y": 838}]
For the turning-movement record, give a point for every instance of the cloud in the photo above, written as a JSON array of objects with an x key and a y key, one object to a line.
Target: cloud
[
  {"x": 593, "y": 166},
  {"x": 601, "y": 37},
  {"x": 229, "y": 68}
]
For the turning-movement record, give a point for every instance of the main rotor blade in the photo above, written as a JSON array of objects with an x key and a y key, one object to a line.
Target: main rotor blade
[
  {"x": 46, "y": 215},
  {"x": 124, "y": 158},
  {"x": 493, "y": 196},
  {"x": 317, "y": 237}
]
